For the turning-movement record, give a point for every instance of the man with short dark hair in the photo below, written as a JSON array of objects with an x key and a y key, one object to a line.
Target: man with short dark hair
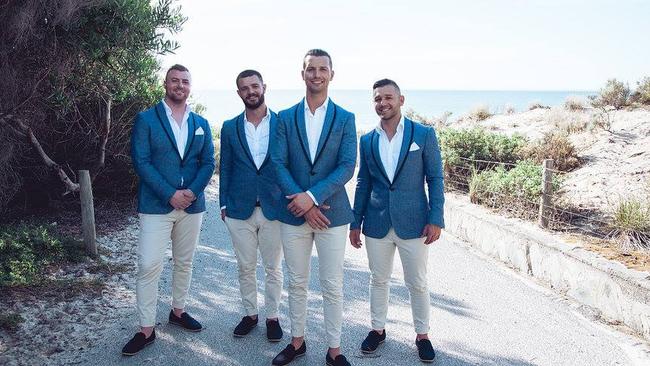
[
  {"x": 173, "y": 155},
  {"x": 249, "y": 198},
  {"x": 395, "y": 159},
  {"x": 314, "y": 155}
]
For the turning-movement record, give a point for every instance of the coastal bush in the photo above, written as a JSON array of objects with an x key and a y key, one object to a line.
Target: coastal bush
[
  {"x": 642, "y": 93},
  {"x": 553, "y": 145},
  {"x": 631, "y": 224},
  {"x": 574, "y": 104},
  {"x": 480, "y": 113},
  {"x": 567, "y": 122},
  {"x": 465, "y": 151},
  {"x": 509, "y": 109},
  {"x": 614, "y": 94},
  {"x": 26, "y": 250},
  {"x": 537, "y": 105},
  {"x": 437, "y": 122},
  {"x": 516, "y": 190}
]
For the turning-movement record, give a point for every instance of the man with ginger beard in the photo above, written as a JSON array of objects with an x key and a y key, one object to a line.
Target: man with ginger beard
[
  {"x": 314, "y": 153},
  {"x": 173, "y": 156},
  {"x": 249, "y": 199}
]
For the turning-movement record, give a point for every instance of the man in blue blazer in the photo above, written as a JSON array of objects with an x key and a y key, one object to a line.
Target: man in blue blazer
[
  {"x": 314, "y": 155},
  {"x": 391, "y": 205},
  {"x": 173, "y": 155},
  {"x": 249, "y": 197}
]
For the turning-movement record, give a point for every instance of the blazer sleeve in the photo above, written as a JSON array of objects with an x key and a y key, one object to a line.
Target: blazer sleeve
[
  {"x": 206, "y": 163},
  {"x": 225, "y": 166},
  {"x": 141, "y": 158},
  {"x": 345, "y": 163},
  {"x": 280, "y": 159},
  {"x": 434, "y": 178},
  {"x": 362, "y": 192}
]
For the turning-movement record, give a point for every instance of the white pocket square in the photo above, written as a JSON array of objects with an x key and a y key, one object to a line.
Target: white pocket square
[
  {"x": 199, "y": 131},
  {"x": 414, "y": 147}
]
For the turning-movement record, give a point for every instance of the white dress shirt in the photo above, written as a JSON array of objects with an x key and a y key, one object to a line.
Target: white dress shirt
[
  {"x": 314, "y": 125},
  {"x": 389, "y": 149},
  {"x": 258, "y": 138},
  {"x": 180, "y": 131}
]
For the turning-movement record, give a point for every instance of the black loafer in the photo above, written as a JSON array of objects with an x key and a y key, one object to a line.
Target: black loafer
[
  {"x": 425, "y": 350},
  {"x": 340, "y": 360},
  {"x": 185, "y": 321},
  {"x": 372, "y": 341},
  {"x": 273, "y": 331},
  {"x": 137, "y": 343},
  {"x": 245, "y": 326},
  {"x": 289, "y": 354}
]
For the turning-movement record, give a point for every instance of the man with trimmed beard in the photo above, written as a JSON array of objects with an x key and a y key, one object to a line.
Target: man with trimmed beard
[
  {"x": 173, "y": 156},
  {"x": 395, "y": 160},
  {"x": 249, "y": 198},
  {"x": 314, "y": 153}
]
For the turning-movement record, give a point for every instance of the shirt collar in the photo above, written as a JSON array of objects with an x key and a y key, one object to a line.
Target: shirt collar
[
  {"x": 188, "y": 108},
  {"x": 322, "y": 107},
  {"x": 400, "y": 126},
  {"x": 266, "y": 116}
]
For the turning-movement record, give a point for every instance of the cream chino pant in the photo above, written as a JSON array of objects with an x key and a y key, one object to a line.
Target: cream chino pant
[
  {"x": 414, "y": 254},
  {"x": 248, "y": 236},
  {"x": 298, "y": 242},
  {"x": 155, "y": 232}
]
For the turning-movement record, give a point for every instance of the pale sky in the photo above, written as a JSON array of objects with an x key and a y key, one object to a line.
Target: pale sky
[{"x": 445, "y": 45}]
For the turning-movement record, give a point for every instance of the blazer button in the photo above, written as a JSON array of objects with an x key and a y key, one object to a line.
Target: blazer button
[
  {"x": 392, "y": 188},
  {"x": 258, "y": 172},
  {"x": 312, "y": 172}
]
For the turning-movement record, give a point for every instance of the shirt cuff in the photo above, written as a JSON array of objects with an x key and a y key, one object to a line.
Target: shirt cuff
[
  {"x": 312, "y": 198},
  {"x": 223, "y": 207}
]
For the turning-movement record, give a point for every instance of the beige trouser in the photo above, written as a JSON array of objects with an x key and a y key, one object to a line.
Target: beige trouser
[
  {"x": 414, "y": 254},
  {"x": 155, "y": 232},
  {"x": 248, "y": 236},
  {"x": 330, "y": 245}
]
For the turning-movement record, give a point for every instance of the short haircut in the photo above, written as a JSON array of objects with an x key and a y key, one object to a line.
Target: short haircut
[
  {"x": 177, "y": 67},
  {"x": 247, "y": 73},
  {"x": 384, "y": 82},
  {"x": 316, "y": 52}
]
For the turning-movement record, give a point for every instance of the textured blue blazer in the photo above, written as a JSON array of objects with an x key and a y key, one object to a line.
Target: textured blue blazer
[
  {"x": 241, "y": 184},
  {"x": 333, "y": 166},
  {"x": 158, "y": 163},
  {"x": 402, "y": 204}
]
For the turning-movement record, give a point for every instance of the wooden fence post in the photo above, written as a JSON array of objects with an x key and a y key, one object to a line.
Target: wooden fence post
[
  {"x": 547, "y": 192},
  {"x": 87, "y": 213}
]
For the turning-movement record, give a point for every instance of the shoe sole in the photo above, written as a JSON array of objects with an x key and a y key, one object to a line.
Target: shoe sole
[
  {"x": 427, "y": 361},
  {"x": 274, "y": 340},
  {"x": 135, "y": 353},
  {"x": 373, "y": 351},
  {"x": 294, "y": 358},
  {"x": 189, "y": 330}
]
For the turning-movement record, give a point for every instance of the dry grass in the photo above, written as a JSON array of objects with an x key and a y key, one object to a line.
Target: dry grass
[
  {"x": 480, "y": 113},
  {"x": 574, "y": 104},
  {"x": 537, "y": 105},
  {"x": 631, "y": 224},
  {"x": 556, "y": 146}
]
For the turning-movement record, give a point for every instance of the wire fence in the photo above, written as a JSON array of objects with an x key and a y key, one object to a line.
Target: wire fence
[{"x": 524, "y": 196}]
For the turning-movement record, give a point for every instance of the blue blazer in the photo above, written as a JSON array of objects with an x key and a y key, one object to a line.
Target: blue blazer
[
  {"x": 402, "y": 205},
  {"x": 333, "y": 166},
  {"x": 158, "y": 163},
  {"x": 241, "y": 184}
]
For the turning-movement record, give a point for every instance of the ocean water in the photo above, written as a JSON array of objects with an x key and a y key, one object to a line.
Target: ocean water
[{"x": 224, "y": 104}]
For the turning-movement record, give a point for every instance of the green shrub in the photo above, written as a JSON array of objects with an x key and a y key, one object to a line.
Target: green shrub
[
  {"x": 27, "y": 250},
  {"x": 556, "y": 146},
  {"x": 642, "y": 93},
  {"x": 614, "y": 94},
  {"x": 517, "y": 190},
  {"x": 631, "y": 224},
  {"x": 216, "y": 140}
]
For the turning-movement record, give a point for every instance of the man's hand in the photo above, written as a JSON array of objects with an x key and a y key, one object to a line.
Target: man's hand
[
  {"x": 189, "y": 194},
  {"x": 223, "y": 214},
  {"x": 431, "y": 232},
  {"x": 355, "y": 238},
  {"x": 300, "y": 204},
  {"x": 316, "y": 219},
  {"x": 180, "y": 201}
]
